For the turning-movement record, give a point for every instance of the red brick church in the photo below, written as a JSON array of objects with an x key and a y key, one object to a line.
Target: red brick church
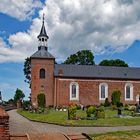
[{"x": 81, "y": 84}]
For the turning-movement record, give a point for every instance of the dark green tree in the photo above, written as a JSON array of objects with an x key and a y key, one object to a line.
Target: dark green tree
[
  {"x": 41, "y": 100},
  {"x": 19, "y": 95},
  {"x": 83, "y": 57},
  {"x": 27, "y": 71},
  {"x": 116, "y": 95},
  {"x": 115, "y": 62}
]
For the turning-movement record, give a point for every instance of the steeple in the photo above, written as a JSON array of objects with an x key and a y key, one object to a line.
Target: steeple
[{"x": 43, "y": 37}]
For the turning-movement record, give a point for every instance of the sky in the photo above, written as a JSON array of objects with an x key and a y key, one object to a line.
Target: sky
[{"x": 109, "y": 28}]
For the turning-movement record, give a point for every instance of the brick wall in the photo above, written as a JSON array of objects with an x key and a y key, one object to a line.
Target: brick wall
[
  {"x": 89, "y": 90},
  {"x": 4, "y": 125},
  {"x": 46, "y": 85}
]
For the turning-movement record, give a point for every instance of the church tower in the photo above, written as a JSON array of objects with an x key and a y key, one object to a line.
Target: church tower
[{"x": 42, "y": 70}]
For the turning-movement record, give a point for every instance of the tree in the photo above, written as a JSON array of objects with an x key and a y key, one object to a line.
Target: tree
[
  {"x": 115, "y": 62},
  {"x": 41, "y": 100},
  {"x": 27, "y": 71},
  {"x": 83, "y": 57},
  {"x": 116, "y": 95},
  {"x": 19, "y": 95}
]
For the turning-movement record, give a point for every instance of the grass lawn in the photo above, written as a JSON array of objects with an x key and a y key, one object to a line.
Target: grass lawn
[
  {"x": 58, "y": 117},
  {"x": 120, "y": 135}
]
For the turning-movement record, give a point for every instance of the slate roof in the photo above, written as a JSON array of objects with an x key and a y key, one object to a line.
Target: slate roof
[
  {"x": 43, "y": 32},
  {"x": 104, "y": 72},
  {"x": 42, "y": 53}
]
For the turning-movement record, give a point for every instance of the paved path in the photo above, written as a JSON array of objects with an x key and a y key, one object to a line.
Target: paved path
[{"x": 20, "y": 125}]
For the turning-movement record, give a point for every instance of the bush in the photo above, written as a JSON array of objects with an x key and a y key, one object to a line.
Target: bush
[
  {"x": 90, "y": 110},
  {"x": 72, "y": 112},
  {"x": 107, "y": 103},
  {"x": 126, "y": 106},
  {"x": 41, "y": 110},
  {"x": 116, "y": 97},
  {"x": 78, "y": 107},
  {"x": 41, "y": 100},
  {"x": 132, "y": 108},
  {"x": 114, "y": 107},
  {"x": 26, "y": 105},
  {"x": 100, "y": 112}
]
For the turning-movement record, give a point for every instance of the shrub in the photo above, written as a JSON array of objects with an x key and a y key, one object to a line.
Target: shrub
[
  {"x": 26, "y": 105},
  {"x": 116, "y": 97},
  {"x": 41, "y": 110},
  {"x": 119, "y": 104},
  {"x": 100, "y": 112},
  {"x": 72, "y": 112},
  {"x": 126, "y": 106},
  {"x": 107, "y": 103},
  {"x": 90, "y": 110},
  {"x": 41, "y": 100},
  {"x": 114, "y": 107},
  {"x": 132, "y": 108},
  {"x": 78, "y": 107}
]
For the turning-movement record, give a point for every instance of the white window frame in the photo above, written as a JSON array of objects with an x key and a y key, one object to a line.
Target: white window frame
[
  {"x": 131, "y": 91},
  {"x": 106, "y": 91},
  {"x": 77, "y": 91}
]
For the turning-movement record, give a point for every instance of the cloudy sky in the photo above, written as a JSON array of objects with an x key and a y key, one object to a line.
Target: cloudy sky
[{"x": 110, "y": 28}]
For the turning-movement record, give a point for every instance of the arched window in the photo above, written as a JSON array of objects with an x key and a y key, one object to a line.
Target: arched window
[
  {"x": 42, "y": 74},
  {"x": 128, "y": 91},
  {"x": 103, "y": 91},
  {"x": 74, "y": 91}
]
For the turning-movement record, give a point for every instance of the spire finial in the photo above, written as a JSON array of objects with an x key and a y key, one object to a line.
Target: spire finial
[{"x": 43, "y": 17}]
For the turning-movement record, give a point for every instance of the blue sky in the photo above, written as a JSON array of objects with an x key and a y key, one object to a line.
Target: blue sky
[{"x": 112, "y": 31}]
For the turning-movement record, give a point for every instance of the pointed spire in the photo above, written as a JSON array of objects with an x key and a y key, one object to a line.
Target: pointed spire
[{"x": 43, "y": 30}]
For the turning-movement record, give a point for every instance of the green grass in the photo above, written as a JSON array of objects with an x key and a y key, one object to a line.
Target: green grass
[
  {"x": 58, "y": 117},
  {"x": 119, "y": 135}
]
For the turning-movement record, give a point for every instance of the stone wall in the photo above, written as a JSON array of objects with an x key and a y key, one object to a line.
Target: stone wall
[{"x": 4, "y": 125}]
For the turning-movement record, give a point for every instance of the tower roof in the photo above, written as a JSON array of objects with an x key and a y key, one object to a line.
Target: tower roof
[
  {"x": 43, "y": 30},
  {"x": 42, "y": 53}
]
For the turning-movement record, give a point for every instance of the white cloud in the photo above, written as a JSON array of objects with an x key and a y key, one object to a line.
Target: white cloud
[
  {"x": 103, "y": 26},
  {"x": 21, "y": 9}
]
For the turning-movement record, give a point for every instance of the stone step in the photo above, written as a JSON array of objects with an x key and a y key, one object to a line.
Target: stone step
[{"x": 77, "y": 137}]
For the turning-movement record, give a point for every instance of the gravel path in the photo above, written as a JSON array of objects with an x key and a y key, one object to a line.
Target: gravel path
[{"x": 20, "y": 125}]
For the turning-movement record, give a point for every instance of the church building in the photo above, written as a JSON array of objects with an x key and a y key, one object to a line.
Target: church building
[{"x": 81, "y": 84}]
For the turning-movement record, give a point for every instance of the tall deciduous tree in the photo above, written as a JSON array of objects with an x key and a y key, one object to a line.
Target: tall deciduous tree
[
  {"x": 83, "y": 57},
  {"x": 19, "y": 95},
  {"x": 27, "y": 71},
  {"x": 115, "y": 62}
]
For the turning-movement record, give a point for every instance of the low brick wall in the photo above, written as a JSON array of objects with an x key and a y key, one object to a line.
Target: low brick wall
[{"x": 4, "y": 125}]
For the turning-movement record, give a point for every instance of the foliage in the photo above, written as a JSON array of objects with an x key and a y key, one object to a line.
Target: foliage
[
  {"x": 72, "y": 112},
  {"x": 126, "y": 106},
  {"x": 41, "y": 100},
  {"x": 90, "y": 110},
  {"x": 41, "y": 110},
  {"x": 19, "y": 95},
  {"x": 116, "y": 97},
  {"x": 116, "y": 62},
  {"x": 10, "y": 101},
  {"x": 119, "y": 104},
  {"x": 83, "y": 57},
  {"x": 100, "y": 112},
  {"x": 27, "y": 71},
  {"x": 26, "y": 105},
  {"x": 107, "y": 103},
  {"x": 78, "y": 107},
  {"x": 132, "y": 108}
]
